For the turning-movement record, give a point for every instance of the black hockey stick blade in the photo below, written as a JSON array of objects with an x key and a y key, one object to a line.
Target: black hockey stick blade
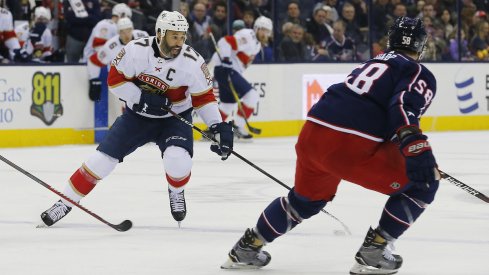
[
  {"x": 122, "y": 227},
  {"x": 253, "y": 129},
  {"x": 464, "y": 186}
]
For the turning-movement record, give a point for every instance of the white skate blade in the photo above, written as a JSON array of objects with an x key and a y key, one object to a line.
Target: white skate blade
[
  {"x": 359, "y": 269},
  {"x": 229, "y": 264}
]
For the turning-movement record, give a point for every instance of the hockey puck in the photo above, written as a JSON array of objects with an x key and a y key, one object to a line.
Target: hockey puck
[{"x": 339, "y": 232}]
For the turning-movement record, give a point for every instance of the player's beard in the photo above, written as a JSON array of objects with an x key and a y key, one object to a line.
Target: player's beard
[{"x": 168, "y": 51}]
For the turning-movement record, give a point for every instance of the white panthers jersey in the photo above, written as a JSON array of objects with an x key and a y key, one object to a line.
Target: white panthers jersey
[
  {"x": 240, "y": 48},
  {"x": 185, "y": 79},
  {"x": 107, "y": 52},
  {"x": 7, "y": 33},
  {"x": 42, "y": 46},
  {"x": 103, "y": 31}
]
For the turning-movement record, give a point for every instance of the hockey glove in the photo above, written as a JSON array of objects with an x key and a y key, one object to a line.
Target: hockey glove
[
  {"x": 21, "y": 55},
  {"x": 420, "y": 162},
  {"x": 223, "y": 133},
  {"x": 95, "y": 89},
  {"x": 152, "y": 104}
]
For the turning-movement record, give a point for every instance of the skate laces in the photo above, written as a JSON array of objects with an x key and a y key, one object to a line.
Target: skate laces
[
  {"x": 387, "y": 253},
  {"x": 177, "y": 201},
  {"x": 58, "y": 211}
]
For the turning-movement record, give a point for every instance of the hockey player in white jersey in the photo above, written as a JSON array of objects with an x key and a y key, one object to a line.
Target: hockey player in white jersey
[
  {"x": 103, "y": 31},
  {"x": 113, "y": 46},
  {"x": 236, "y": 52},
  {"x": 9, "y": 39},
  {"x": 151, "y": 75},
  {"x": 37, "y": 40}
]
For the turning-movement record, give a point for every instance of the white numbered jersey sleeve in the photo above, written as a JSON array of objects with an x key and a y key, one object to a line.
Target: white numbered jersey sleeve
[{"x": 101, "y": 33}]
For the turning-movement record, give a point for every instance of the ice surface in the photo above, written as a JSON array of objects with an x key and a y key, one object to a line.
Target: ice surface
[{"x": 223, "y": 198}]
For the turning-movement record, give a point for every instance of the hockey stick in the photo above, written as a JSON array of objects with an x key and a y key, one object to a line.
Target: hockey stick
[
  {"x": 233, "y": 91},
  {"x": 213, "y": 139},
  {"x": 464, "y": 186},
  {"x": 122, "y": 227}
]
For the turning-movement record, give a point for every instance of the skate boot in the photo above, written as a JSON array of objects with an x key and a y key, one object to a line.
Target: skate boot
[
  {"x": 241, "y": 135},
  {"x": 247, "y": 253},
  {"x": 375, "y": 256},
  {"x": 177, "y": 205},
  {"x": 54, "y": 214}
]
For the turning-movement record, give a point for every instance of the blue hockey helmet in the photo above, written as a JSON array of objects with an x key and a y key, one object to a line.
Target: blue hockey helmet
[{"x": 407, "y": 34}]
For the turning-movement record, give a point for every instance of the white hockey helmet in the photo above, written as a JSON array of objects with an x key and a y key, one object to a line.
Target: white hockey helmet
[
  {"x": 121, "y": 10},
  {"x": 124, "y": 23},
  {"x": 263, "y": 22},
  {"x": 42, "y": 12},
  {"x": 170, "y": 20}
]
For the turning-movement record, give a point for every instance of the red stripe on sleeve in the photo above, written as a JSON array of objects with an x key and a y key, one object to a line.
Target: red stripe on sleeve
[
  {"x": 176, "y": 94},
  {"x": 116, "y": 78},
  {"x": 232, "y": 41},
  {"x": 97, "y": 42},
  {"x": 8, "y": 34},
  {"x": 95, "y": 60},
  {"x": 244, "y": 58},
  {"x": 203, "y": 99}
]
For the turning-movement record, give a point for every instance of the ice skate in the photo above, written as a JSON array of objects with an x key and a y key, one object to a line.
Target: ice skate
[
  {"x": 247, "y": 253},
  {"x": 54, "y": 214},
  {"x": 177, "y": 205},
  {"x": 241, "y": 135},
  {"x": 375, "y": 256}
]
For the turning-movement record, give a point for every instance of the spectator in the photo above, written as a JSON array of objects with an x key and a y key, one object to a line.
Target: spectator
[
  {"x": 200, "y": 30},
  {"x": 292, "y": 47},
  {"x": 332, "y": 4},
  {"x": 454, "y": 46},
  {"x": 341, "y": 47},
  {"x": 80, "y": 21},
  {"x": 316, "y": 25},
  {"x": 219, "y": 20},
  {"x": 294, "y": 14},
  {"x": 478, "y": 44},
  {"x": 200, "y": 20},
  {"x": 352, "y": 29},
  {"x": 446, "y": 22},
  {"x": 380, "y": 19},
  {"x": 248, "y": 18}
]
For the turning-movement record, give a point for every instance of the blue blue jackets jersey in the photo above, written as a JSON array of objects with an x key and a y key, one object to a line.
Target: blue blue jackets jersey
[{"x": 377, "y": 98}]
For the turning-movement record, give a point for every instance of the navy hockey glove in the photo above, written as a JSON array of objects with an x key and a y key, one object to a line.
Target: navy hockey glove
[
  {"x": 95, "y": 89},
  {"x": 21, "y": 55},
  {"x": 223, "y": 133},
  {"x": 420, "y": 162},
  {"x": 152, "y": 104}
]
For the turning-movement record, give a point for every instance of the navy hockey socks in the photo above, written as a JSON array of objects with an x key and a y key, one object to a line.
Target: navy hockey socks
[
  {"x": 285, "y": 213},
  {"x": 403, "y": 209}
]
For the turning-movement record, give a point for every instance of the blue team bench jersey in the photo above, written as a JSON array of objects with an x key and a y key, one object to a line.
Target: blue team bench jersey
[{"x": 377, "y": 98}]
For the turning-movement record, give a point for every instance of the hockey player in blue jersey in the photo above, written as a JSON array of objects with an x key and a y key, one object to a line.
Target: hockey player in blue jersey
[{"x": 364, "y": 130}]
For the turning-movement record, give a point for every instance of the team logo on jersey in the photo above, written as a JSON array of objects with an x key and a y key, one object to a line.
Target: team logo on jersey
[
  {"x": 46, "y": 97},
  {"x": 207, "y": 74},
  {"x": 152, "y": 84},
  {"x": 395, "y": 185},
  {"x": 119, "y": 57}
]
